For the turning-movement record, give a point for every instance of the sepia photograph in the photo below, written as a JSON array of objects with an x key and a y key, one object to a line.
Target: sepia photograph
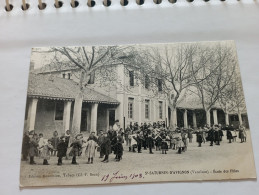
[{"x": 134, "y": 114}]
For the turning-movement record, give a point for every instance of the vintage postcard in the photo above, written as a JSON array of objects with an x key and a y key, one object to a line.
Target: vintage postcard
[{"x": 135, "y": 114}]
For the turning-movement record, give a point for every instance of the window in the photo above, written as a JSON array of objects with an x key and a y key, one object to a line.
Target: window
[
  {"x": 160, "y": 109},
  {"x": 59, "y": 110},
  {"x": 147, "y": 109},
  {"x": 131, "y": 78},
  {"x": 64, "y": 75},
  {"x": 159, "y": 84},
  {"x": 69, "y": 75},
  {"x": 130, "y": 107},
  {"x": 234, "y": 118},
  {"x": 147, "y": 82}
]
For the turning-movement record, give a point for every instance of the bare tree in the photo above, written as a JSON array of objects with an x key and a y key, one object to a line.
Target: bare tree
[
  {"x": 232, "y": 98},
  {"x": 170, "y": 71},
  {"x": 216, "y": 74},
  {"x": 87, "y": 60}
]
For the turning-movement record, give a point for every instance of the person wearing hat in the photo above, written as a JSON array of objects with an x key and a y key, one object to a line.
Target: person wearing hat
[
  {"x": 76, "y": 148},
  {"x": 33, "y": 144},
  {"x": 62, "y": 149},
  {"x": 211, "y": 136},
  {"x": 106, "y": 147}
]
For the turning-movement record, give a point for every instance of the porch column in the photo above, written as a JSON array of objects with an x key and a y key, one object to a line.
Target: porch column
[
  {"x": 194, "y": 119},
  {"x": 226, "y": 118},
  {"x": 215, "y": 116},
  {"x": 66, "y": 115},
  {"x": 94, "y": 118},
  {"x": 185, "y": 119},
  {"x": 139, "y": 111},
  {"x": 208, "y": 117},
  {"x": 32, "y": 114}
]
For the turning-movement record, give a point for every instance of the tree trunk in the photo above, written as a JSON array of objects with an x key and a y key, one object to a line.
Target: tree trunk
[
  {"x": 173, "y": 117},
  {"x": 76, "y": 123},
  {"x": 226, "y": 118},
  {"x": 208, "y": 117}
]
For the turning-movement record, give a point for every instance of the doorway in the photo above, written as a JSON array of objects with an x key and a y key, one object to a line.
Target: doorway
[{"x": 111, "y": 117}]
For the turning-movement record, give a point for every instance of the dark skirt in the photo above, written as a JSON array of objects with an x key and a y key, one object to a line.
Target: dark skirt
[
  {"x": 118, "y": 149},
  {"x": 164, "y": 146}
]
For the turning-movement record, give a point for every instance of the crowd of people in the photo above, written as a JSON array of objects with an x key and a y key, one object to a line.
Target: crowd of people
[{"x": 138, "y": 137}]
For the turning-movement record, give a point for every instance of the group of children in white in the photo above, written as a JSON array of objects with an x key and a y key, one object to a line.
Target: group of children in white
[{"x": 144, "y": 136}]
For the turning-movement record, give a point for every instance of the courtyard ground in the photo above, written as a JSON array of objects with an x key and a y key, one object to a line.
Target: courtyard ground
[{"x": 203, "y": 162}]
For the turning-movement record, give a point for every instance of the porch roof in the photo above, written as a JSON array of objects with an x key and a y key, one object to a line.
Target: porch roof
[{"x": 51, "y": 87}]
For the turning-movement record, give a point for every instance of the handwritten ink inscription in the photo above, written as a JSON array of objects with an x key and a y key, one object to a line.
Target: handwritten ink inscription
[{"x": 122, "y": 177}]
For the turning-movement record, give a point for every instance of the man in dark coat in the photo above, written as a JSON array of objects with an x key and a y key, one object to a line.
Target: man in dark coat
[
  {"x": 211, "y": 136},
  {"x": 139, "y": 139},
  {"x": 217, "y": 135},
  {"x": 150, "y": 141},
  {"x": 106, "y": 148},
  {"x": 62, "y": 149},
  {"x": 113, "y": 138},
  {"x": 100, "y": 142},
  {"x": 199, "y": 137},
  {"x": 33, "y": 144},
  {"x": 25, "y": 146}
]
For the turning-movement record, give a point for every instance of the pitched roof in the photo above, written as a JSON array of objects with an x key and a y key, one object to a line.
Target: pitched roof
[
  {"x": 51, "y": 87},
  {"x": 54, "y": 68}
]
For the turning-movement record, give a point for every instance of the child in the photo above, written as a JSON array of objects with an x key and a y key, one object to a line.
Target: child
[
  {"x": 164, "y": 146},
  {"x": 54, "y": 143},
  {"x": 106, "y": 148},
  {"x": 158, "y": 142},
  {"x": 45, "y": 154},
  {"x": 180, "y": 144},
  {"x": 62, "y": 149},
  {"x": 33, "y": 144},
  {"x": 91, "y": 145},
  {"x": 199, "y": 135},
  {"x": 41, "y": 143},
  {"x": 119, "y": 151},
  {"x": 76, "y": 148}
]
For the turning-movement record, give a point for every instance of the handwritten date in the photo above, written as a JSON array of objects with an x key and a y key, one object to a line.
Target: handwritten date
[{"x": 119, "y": 176}]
